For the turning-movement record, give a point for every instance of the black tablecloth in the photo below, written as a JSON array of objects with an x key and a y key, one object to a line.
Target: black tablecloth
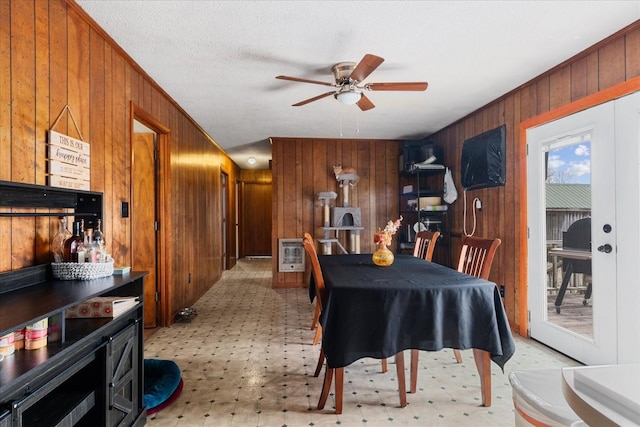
[{"x": 376, "y": 311}]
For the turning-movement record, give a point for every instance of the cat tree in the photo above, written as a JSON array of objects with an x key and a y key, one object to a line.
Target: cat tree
[{"x": 345, "y": 218}]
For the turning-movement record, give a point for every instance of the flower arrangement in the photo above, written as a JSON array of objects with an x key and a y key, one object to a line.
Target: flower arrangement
[{"x": 384, "y": 236}]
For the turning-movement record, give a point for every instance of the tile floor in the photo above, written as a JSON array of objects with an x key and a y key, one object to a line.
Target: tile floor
[{"x": 247, "y": 360}]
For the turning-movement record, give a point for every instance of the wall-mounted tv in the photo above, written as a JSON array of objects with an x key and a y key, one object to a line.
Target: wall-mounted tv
[{"x": 483, "y": 160}]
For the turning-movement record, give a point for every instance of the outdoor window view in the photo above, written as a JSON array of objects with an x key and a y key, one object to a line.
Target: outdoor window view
[{"x": 568, "y": 227}]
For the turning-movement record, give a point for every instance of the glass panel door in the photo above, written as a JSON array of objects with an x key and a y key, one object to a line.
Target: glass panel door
[
  {"x": 568, "y": 229},
  {"x": 571, "y": 217}
]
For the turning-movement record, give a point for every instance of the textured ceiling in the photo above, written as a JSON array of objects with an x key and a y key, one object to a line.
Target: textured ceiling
[{"x": 219, "y": 59}]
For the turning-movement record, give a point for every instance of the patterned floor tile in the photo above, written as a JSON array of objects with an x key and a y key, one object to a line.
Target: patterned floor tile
[{"x": 247, "y": 360}]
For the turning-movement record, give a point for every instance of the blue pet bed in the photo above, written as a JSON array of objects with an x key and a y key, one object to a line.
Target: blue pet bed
[{"x": 162, "y": 384}]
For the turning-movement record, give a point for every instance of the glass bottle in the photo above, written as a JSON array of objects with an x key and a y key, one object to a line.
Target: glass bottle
[
  {"x": 74, "y": 244},
  {"x": 57, "y": 244},
  {"x": 98, "y": 237},
  {"x": 90, "y": 248}
]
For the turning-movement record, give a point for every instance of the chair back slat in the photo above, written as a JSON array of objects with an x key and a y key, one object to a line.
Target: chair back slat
[
  {"x": 425, "y": 244},
  {"x": 476, "y": 256},
  {"x": 310, "y": 247}
]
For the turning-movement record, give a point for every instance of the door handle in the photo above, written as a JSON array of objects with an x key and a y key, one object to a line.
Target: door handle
[{"x": 605, "y": 248}]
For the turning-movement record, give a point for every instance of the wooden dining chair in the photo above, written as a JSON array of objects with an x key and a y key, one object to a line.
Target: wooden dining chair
[
  {"x": 316, "y": 312},
  {"x": 425, "y": 244},
  {"x": 309, "y": 246},
  {"x": 476, "y": 257},
  {"x": 318, "y": 280}
]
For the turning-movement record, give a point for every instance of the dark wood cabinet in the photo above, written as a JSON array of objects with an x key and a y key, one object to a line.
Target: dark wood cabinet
[
  {"x": 122, "y": 376},
  {"x": 91, "y": 370},
  {"x": 91, "y": 373}
]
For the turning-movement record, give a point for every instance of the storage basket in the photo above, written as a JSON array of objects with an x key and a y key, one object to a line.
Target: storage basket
[{"x": 81, "y": 271}]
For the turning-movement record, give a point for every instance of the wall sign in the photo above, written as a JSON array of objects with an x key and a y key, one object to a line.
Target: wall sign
[{"x": 69, "y": 162}]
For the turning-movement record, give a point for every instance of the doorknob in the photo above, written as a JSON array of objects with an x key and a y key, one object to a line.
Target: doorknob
[{"x": 605, "y": 248}]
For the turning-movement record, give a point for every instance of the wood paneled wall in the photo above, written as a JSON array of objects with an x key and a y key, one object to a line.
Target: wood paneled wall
[
  {"x": 256, "y": 175},
  {"x": 52, "y": 55},
  {"x": 302, "y": 168},
  {"x": 610, "y": 62}
]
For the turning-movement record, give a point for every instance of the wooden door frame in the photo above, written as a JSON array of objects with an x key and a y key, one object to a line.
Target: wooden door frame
[
  {"x": 163, "y": 202},
  {"x": 237, "y": 190},
  {"x": 227, "y": 256},
  {"x": 606, "y": 95},
  {"x": 240, "y": 220}
]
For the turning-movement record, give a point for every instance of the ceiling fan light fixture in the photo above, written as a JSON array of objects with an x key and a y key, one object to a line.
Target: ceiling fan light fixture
[
  {"x": 349, "y": 97},
  {"x": 251, "y": 160}
]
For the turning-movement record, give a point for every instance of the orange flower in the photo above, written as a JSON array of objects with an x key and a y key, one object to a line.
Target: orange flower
[{"x": 384, "y": 236}]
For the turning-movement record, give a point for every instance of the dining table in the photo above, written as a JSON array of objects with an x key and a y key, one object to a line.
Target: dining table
[{"x": 377, "y": 312}]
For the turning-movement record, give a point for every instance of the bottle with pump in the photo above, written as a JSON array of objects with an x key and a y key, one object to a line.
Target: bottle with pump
[
  {"x": 99, "y": 242},
  {"x": 98, "y": 237}
]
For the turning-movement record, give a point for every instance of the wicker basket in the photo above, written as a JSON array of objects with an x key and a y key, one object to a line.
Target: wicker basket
[{"x": 82, "y": 271}]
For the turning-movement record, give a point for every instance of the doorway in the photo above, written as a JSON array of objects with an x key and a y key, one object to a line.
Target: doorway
[
  {"x": 224, "y": 211},
  {"x": 256, "y": 219},
  {"x": 143, "y": 217},
  {"x": 572, "y": 226},
  {"x": 149, "y": 140}
]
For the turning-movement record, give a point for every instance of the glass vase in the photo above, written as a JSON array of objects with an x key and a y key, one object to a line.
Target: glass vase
[{"x": 382, "y": 256}]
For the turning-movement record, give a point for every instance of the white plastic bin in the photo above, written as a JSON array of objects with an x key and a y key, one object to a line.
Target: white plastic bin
[{"x": 539, "y": 402}]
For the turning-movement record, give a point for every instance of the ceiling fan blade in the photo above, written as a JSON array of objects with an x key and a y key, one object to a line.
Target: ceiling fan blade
[
  {"x": 365, "y": 103},
  {"x": 315, "y": 98},
  {"x": 407, "y": 86},
  {"x": 297, "y": 79},
  {"x": 366, "y": 67}
]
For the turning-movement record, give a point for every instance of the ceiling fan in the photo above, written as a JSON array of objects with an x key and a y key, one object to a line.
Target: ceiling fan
[{"x": 349, "y": 84}]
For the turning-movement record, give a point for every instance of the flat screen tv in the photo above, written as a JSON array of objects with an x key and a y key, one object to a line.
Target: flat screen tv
[{"x": 483, "y": 160}]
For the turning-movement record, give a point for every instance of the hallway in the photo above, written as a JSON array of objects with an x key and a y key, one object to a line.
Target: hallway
[{"x": 247, "y": 360}]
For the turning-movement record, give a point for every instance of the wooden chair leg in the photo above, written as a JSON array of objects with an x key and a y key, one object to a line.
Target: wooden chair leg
[
  {"x": 483, "y": 363},
  {"x": 316, "y": 315},
  {"x": 320, "y": 363},
  {"x": 402, "y": 385},
  {"x": 414, "y": 371},
  {"x": 458, "y": 355},
  {"x": 384, "y": 365},
  {"x": 318, "y": 335},
  {"x": 326, "y": 387},
  {"x": 339, "y": 389}
]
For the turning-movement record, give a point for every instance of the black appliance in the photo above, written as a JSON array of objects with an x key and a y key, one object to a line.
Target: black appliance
[{"x": 576, "y": 238}]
